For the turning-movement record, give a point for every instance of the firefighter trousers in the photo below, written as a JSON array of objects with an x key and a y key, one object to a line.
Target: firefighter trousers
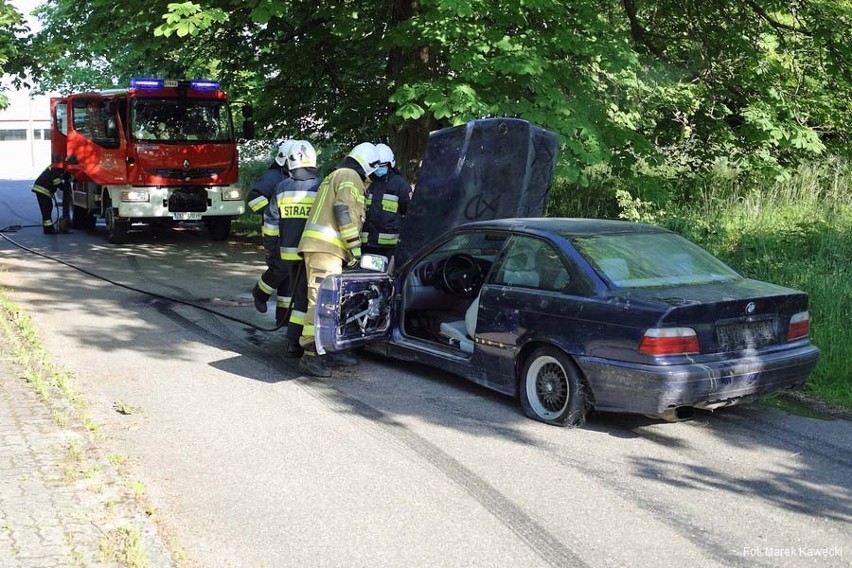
[
  {"x": 45, "y": 205},
  {"x": 275, "y": 279},
  {"x": 299, "y": 293},
  {"x": 318, "y": 265}
]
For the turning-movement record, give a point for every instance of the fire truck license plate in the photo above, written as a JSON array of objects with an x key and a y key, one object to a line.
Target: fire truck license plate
[{"x": 186, "y": 216}]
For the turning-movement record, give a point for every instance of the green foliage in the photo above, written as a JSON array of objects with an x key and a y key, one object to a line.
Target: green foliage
[
  {"x": 10, "y": 27},
  {"x": 656, "y": 92},
  {"x": 189, "y": 19}
]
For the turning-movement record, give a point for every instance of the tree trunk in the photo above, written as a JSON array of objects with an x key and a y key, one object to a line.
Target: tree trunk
[{"x": 408, "y": 138}]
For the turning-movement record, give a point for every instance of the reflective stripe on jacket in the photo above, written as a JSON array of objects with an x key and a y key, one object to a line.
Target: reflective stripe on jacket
[
  {"x": 49, "y": 181},
  {"x": 388, "y": 204},
  {"x": 264, "y": 188},
  {"x": 341, "y": 188},
  {"x": 259, "y": 199},
  {"x": 294, "y": 199}
]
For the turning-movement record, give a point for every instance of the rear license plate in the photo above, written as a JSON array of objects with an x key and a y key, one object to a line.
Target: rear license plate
[
  {"x": 186, "y": 216},
  {"x": 750, "y": 335}
]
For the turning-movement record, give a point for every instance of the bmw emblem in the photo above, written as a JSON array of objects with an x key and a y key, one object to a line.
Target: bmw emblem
[{"x": 750, "y": 307}]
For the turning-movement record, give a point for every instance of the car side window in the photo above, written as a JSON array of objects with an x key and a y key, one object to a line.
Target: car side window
[{"x": 532, "y": 263}]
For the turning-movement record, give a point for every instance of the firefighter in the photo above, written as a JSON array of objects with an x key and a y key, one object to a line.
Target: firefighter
[
  {"x": 332, "y": 240},
  {"x": 276, "y": 277},
  {"x": 293, "y": 199},
  {"x": 387, "y": 204},
  {"x": 45, "y": 187}
]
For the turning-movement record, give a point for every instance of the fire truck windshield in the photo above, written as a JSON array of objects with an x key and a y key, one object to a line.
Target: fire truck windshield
[{"x": 180, "y": 120}]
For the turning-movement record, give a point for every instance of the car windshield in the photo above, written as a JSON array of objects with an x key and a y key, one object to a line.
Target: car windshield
[
  {"x": 640, "y": 260},
  {"x": 181, "y": 120}
]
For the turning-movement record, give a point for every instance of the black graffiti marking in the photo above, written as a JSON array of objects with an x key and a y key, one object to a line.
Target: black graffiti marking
[{"x": 477, "y": 206}]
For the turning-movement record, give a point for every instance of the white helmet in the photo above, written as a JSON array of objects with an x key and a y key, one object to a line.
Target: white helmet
[
  {"x": 367, "y": 156},
  {"x": 386, "y": 155},
  {"x": 302, "y": 155},
  {"x": 283, "y": 150}
]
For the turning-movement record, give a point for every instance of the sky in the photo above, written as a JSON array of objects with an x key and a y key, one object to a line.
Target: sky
[{"x": 25, "y": 7}]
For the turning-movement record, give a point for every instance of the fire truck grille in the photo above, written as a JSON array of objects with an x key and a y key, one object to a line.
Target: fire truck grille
[
  {"x": 185, "y": 174},
  {"x": 188, "y": 199}
]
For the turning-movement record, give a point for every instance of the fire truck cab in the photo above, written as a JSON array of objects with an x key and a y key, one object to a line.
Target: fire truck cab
[{"x": 158, "y": 153}]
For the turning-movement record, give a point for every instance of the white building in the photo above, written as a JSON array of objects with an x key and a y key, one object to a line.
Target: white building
[{"x": 24, "y": 135}]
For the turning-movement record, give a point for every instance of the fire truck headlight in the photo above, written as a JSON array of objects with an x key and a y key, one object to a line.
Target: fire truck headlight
[
  {"x": 232, "y": 195},
  {"x": 134, "y": 195}
]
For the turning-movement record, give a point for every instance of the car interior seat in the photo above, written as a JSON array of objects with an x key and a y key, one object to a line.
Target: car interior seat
[
  {"x": 551, "y": 271},
  {"x": 461, "y": 332},
  {"x": 519, "y": 270}
]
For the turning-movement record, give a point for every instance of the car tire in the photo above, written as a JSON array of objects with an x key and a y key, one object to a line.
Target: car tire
[{"x": 551, "y": 389}]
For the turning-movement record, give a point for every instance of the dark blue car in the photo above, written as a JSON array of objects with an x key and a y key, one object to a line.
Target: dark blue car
[{"x": 569, "y": 315}]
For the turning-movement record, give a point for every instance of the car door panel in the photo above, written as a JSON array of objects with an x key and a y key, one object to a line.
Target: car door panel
[{"x": 353, "y": 309}]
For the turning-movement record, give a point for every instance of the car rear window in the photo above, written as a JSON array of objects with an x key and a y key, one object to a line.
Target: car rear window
[{"x": 641, "y": 260}]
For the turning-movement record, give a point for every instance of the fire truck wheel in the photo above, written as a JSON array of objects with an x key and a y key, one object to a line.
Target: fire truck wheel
[
  {"x": 116, "y": 228},
  {"x": 82, "y": 219},
  {"x": 219, "y": 228}
]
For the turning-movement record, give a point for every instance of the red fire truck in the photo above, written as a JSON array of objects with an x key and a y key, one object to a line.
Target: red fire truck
[{"x": 159, "y": 153}]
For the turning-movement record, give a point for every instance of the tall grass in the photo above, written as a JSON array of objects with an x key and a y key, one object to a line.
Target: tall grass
[{"x": 797, "y": 233}]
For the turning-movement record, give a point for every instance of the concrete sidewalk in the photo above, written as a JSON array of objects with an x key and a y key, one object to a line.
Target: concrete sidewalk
[{"x": 62, "y": 502}]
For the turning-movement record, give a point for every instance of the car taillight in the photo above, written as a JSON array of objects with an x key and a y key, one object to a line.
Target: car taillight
[
  {"x": 669, "y": 341},
  {"x": 800, "y": 326}
]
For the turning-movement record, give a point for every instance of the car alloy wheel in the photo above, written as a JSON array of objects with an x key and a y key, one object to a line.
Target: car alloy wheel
[{"x": 551, "y": 390}]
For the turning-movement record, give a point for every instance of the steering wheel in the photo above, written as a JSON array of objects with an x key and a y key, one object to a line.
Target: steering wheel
[{"x": 462, "y": 275}]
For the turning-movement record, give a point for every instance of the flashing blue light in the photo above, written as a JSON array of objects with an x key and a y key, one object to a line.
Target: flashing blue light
[
  {"x": 139, "y": 83},
  {"x": 204, "y": 85}
]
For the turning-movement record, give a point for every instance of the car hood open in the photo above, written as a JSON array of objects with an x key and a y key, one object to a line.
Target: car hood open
[{"x": 492, "y": 168}]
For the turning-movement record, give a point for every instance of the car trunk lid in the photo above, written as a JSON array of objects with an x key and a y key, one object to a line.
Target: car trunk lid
[{"x": 730, "y": 316}]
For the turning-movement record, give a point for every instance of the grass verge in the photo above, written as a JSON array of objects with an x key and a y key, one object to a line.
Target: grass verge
[{"x": 54, "y": 386}]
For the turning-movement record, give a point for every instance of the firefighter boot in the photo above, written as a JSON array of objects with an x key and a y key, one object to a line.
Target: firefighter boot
[
  {"x": 341, "y": 359},
  {"x": 64, "y": 225},
  {"x": 314, "y": 365},
  {"x": 260, "y": 299},
  {"x": 293, "y": 349}
]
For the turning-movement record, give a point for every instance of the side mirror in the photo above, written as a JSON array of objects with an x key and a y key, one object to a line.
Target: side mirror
[
  {"x": 374, "y": 262},
  {"x": 248, "y": 121}
]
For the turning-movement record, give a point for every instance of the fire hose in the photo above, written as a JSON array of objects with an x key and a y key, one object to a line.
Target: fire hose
[{"x": 16, "y": 228}]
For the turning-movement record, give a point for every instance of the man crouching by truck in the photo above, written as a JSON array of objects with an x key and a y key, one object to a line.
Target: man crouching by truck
[{"x": 45, "y": 187}]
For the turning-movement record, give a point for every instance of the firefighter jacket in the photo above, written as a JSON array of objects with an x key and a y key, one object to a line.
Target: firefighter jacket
[
  {"x": 294, "y": 198},
  {"x": 387, "y": 204},
  {"x": 340, "y": 196},
  {"x": 49, "y": 181},
  {"x": 261, "y": 193}
]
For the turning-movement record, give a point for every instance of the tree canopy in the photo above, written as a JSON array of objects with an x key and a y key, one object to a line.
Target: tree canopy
[
  {"x": 11, "y": 25},
  {"x": 644, "y": 87}
]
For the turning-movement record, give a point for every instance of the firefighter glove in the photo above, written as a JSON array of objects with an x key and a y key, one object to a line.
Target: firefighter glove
[{"x": 355, "y": 260}]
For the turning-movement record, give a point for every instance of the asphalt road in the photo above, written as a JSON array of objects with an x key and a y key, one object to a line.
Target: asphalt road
[{"x": 250, "y": 464}]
